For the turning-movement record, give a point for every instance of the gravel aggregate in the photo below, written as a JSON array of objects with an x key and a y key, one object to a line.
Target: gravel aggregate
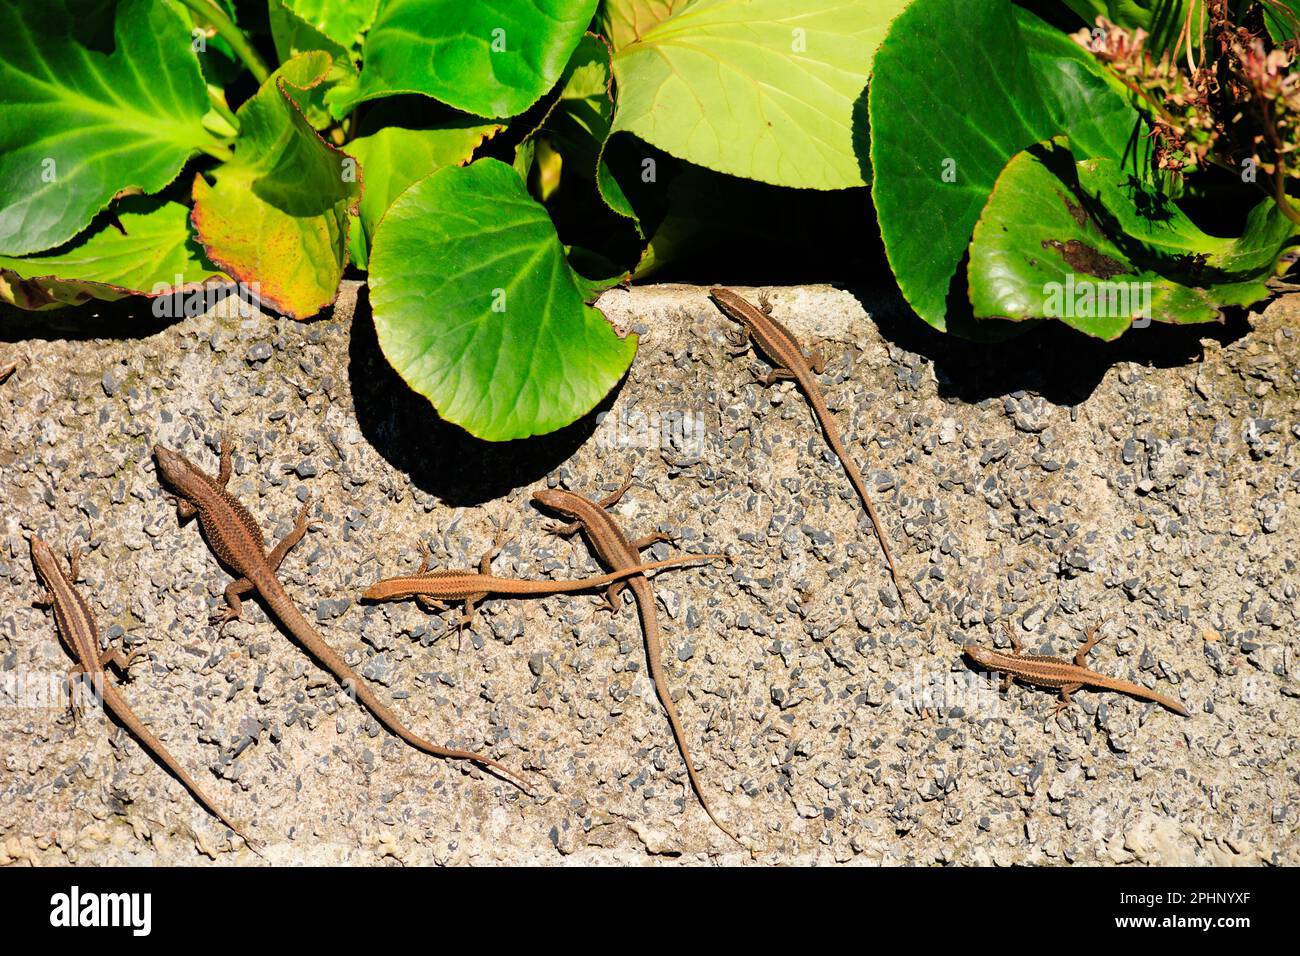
[{"x": 1046, "y": 485}]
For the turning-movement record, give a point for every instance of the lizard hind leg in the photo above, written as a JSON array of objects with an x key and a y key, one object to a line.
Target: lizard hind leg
[
  {"x": 1089, "y": 642},
  {"x": 290, "y": 540},
  {"x": 776, "y": 375},
  {"x": 611, "y": 602},
  {"x": 817, "y": 361},
  {"x": 1064, "y": 702},
  {"x": 234, "y": 608},
  {"x": 122, "y": 662},
  {"x": 467, "y": 614},
  {"x": 651, "y": 540}
]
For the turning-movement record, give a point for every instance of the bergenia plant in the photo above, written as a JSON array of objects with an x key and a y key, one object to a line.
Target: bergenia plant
[{"x": 491, "y": 167}]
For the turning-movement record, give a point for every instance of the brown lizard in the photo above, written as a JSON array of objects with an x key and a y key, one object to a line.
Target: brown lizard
[
  {"x": 7, "y": 369},
  {"x": 433, "y": 589},
  {"x": 614, "y": 549},
  {"x": 1041, "y": 670},
  {"x": 75, "y": 622},
  {"x": 234, "y": 537},
  {"x": 781, "y": 348}
]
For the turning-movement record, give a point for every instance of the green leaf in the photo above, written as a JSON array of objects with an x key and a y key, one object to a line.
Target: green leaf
[
  {"x": 756, "y": 88},
  {"x": 626, "y": 21},
  {"x": 152, "y": 253},
  {"x": 490, "y": 58},
  {"x": 580, "y": 120},
  {"x": 277, "y": 218},
  {"x": 1282, "y": 18},
  {"x": 293, "y": 36},
  {"x": 80, "y": 124},
  {"x": 393, "y": 158},
  {"x": 1095, "y": 246},
  {"x": 477, "y": 309},
  {"x": 946, "y": 116},
  {"x": 342, "y": 21},
  {"x": 1081, "y": 96},
  {"x": 579, "y": 125}
]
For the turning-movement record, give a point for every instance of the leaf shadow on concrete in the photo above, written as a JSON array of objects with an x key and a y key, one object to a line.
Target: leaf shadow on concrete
[
  {"x": 1050, "y": 359},
  {"x": 131, "y": 318},
  {"x": 438, "y": 457}
]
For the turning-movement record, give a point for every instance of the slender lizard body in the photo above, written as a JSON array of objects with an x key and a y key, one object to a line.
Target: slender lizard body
[
  {"x": 75, "y": 622},
  {"x": 1060, "y": 675},
  {"x": 235, "y": 539},
  {"x": 788, "y": 361},
  {"x": 615, "y": 550},
  {"x": 433, "y": 589}
]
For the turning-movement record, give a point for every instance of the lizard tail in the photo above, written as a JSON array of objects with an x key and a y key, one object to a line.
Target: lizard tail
[
  {"x": 314, "y": 644},
  {"x": 1173, "y": 705},
  {"x": 650, "y": 624},
  {"x": 1134, "y": 690},
  {"x": 832, "y": 436},
  {"x": 154, "y": 746}
]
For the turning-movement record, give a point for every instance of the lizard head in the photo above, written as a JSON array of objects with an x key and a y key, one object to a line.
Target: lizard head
[
  {"x": 177, "y": 472},
  {"x": 979, "y": 655},
  {"x": 556, "y": 499},
  {"x": 46, "y": 564}
]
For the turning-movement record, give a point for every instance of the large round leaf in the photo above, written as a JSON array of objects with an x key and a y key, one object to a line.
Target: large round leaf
[
  {"x": 79, "y": 125},
  {"x": 477, "y": 309},
  {"x": 487, "y": 57},
  {"x": 948, "y": 112},
  {"x": 625, "y": 21},
  {"x": 762, "y": 89},
  {"x": 392, "y": 158}
]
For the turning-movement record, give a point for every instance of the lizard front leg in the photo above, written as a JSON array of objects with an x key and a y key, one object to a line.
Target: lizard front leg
[
  {"x": 1015, "y": 644},
  {"x": 432, "y": 605},
  {"x": 738, "y": 339},
  {"x": 227, "y": 460},
  {"x": 612, "y": 499}
]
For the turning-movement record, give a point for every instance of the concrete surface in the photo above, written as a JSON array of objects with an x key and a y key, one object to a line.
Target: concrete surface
[{"x": 1049, "y": 483}]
